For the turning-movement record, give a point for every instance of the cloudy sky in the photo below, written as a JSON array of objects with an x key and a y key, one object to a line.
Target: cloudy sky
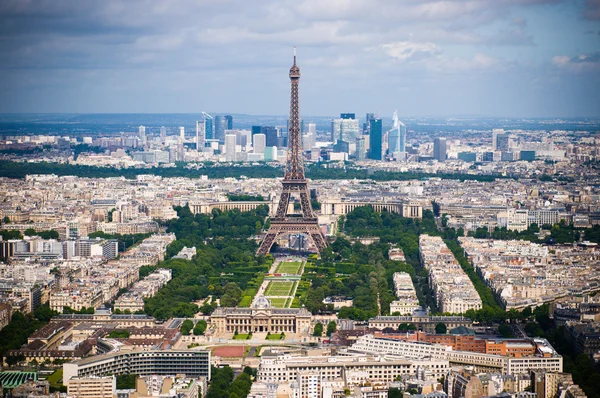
[{"x": 423, "y": 57}]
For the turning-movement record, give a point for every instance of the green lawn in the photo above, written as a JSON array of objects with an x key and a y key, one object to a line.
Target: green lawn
[
  {"x": 278, "y": 302},
  {"x": 241, "y": 336},
  {"x": 55, "y": 379},
  {"x": 276, "y": 336},
  {"x": 289, "y": 267},
  {"x": 279, "y": 288}
]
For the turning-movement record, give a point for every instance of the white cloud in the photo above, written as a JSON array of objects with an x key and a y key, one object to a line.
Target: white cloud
[
  {"x": 410, "y": 51},
  {"x": 579, "y": 64}
]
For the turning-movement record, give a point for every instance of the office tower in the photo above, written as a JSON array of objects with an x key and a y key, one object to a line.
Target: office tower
[
  {"x": 229, "y": 121},
  {"x": 312, "y": 128},
  {"x": 439, "y": 149},
  {"x": 397, "y": 136},
  {"x": 361, "y": 152},
  {"x": 270, "y": 154},
  {"x": 163, "y": 134},
  {"x": 182, "y": 133},
  {"x": 259, "y": 143},
  {"x": 347, "y": 116},
  {"x": 256, "y": 130},
  {"x": 495, "y": 134},
  {"x": 345, "y": 129},
  {"x": 502, "y": 142},
  {"x": 367, "y": 124},
  {"x": 221, "y": 124},
  {"x": 142, "y": 134},
  {"x": 308, "y": 141},
  {"x": 402, "y": 128},
  {"x": 203, "y": 127},
  {"x": 230, "y": 147},
  {"x": 376, "y": 139},
  {"x": 208, "y": 127},
  {"x": 271, "y": 133},
  {"x": 294, "y": 184}
]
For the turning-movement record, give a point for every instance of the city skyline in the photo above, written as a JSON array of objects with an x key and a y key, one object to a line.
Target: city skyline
[{"x": 518, "y": 59}]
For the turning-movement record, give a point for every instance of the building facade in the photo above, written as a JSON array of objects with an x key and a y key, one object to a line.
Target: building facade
[{"x": 261, "y": 317}]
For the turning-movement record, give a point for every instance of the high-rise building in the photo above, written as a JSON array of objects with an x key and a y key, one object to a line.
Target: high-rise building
[
  {"x": 230, "y": 147},
  {"x": 495, "y": 134},
  {"x": 229, "y": 120},
  {"x": 439, "y": 149},
  {"x": 312, "y": 128},
  {"x": 376, "y": 139},
  {"x": 361, "y": 152},
  {"x": 348, "y": 116},
  {"x": 200, "y": 135},
  {"x": 271, "y": 133},
  {"x": 256, "y": 130},
  {"x": 142, "y": 134},
  {"x": 270, "y": 154},
  {"x": 163, "y": 134},
  {"x": 308, "y": 141},
  {"x": 345, "y": 129},
  {"x": 221, "y": 124},
  {"x": 209, "y": 129},
  {"x": 367, "y": 124},
  {"x": 397, "y": 136},
  {"x": 259, "y": 143},
  {"x": 181, "y": 133},
  {"x": 502, "y": 142}
]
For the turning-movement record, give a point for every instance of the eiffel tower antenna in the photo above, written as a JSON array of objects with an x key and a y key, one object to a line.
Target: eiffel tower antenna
[{"x": 294, "y": 183}]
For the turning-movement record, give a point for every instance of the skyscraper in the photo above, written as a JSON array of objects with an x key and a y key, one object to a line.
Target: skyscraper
[
  {"x": 209, "y": 129},
  {"x": 259, "y": 143},
  {"x": 256, "y": 130},
  {"x": 345, "y": 128},
  {"x": 439, "y": 149},
  {"x": 142, "y": 133},
  {"x": 271, "y": 135},
  {"x": 376, "y": 139},
  {"x": 229, "y": 120},
  {"x": 495, "y": 134},
  {"x": 181, "y": 133},
  {"x": 230, "y": 147},
  {"x": 200, "y": 135},
  {"x": 221, "y": 124},
  {"x": 397, "y": 136},
  {"x": 163, "y": 134},
  {"x": 367, "y": 124}
]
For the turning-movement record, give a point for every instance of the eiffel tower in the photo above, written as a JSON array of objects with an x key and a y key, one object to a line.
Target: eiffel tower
[{"x": 294, "y": 184}]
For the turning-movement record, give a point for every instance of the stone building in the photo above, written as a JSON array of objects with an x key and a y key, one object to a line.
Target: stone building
[{"x": 261, "y": 317}]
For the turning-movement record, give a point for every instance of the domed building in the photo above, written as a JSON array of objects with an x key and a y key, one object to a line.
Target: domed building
[{"x": 261, "y": 317}]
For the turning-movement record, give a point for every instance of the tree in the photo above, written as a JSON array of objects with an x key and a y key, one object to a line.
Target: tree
[
  {"x": 186, "y": 327},
  {"x": 505, "y": 330},
  {"x": 318, "y": 330},
  {"x": 331, "y": 326},
  {"x": 394, "y": 393},
  {"x": 44, "y": 313},
  {"x": 200, "y": 327},
  {"x": 441, "y": 328}
]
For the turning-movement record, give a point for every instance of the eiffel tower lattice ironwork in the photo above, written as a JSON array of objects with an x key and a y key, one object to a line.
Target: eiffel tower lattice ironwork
[{"x": 294, "y": 184}]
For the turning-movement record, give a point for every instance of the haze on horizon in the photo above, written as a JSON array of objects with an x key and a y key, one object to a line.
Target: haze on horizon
[{"x": 514, "y": 58}]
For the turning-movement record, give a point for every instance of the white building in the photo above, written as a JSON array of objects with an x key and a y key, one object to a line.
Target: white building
[{"x": 230, "y": 147}]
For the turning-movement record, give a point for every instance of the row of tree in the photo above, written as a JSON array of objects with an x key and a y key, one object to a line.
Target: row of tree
[{"x": 19, "y": 170}]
